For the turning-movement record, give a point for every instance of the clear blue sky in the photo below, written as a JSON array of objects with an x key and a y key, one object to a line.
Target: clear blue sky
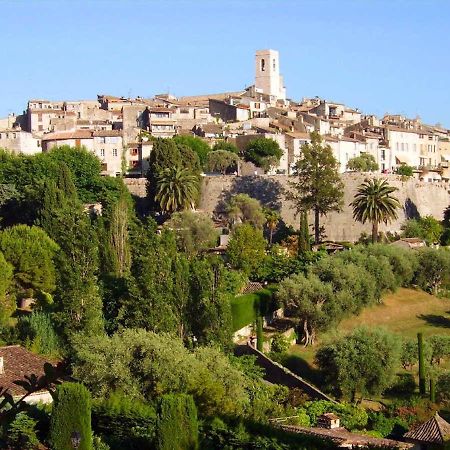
[{"x": 381, "y": 56}]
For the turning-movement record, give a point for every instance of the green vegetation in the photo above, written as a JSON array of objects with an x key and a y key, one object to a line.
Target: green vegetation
[
  {"x": 263, "y": 152},
  {"x": 222, "y": 161},
  {"x": 427, "y": 228},
  {"x": 317, "y": 186},
  {"x": 71, "y": 413},
  {"x": 244, "y": 209},
  {"x": 363, "y": 163},
  {"x": 374, "y": 203},
  {"x": 246, "y": 308},
  {"x": 177, "y": 427},
  {"x": 405, "y": 170}
]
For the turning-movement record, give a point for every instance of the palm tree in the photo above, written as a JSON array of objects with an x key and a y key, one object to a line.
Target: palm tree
[
  {"x": 176, "y": 189},
  {"x": 374, "y": 203},
  {"x": 272, "y": 219}
]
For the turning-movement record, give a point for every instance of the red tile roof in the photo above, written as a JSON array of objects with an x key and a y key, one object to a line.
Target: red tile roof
[
  {"x": 17, "y": 362},
  {"x": 434, "y": 431}
]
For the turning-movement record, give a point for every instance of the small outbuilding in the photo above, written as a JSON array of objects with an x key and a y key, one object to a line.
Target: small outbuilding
[{"x": 431, "y": 435}]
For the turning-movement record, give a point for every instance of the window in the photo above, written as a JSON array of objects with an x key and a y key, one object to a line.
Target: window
[
  {"x": 383, "y": 154},
  {"x": 40, "y": 117},
  {"x": 114, "y": 152},
  {"x": 133, "y": 151},
  {"x": 274, "y": 64},
  {"x": 398, "y": 146},
  {"x": 263, "y": 65},
  {"x": 102, "y": 152}
]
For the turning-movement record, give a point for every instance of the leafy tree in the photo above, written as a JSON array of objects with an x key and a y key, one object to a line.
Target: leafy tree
[
  {"x": 364, "y": 362},
  {"x": 210, "y": 311},
  {"x": 427, "y": 228},
  {"x": 226, "y": 146},
  {"x": 259, "y": 333},
  {"x": 21, "y": 434},
  {"x": 246, "y": 248},
  {"x": 403, "y": 262},
  {"x": 194, "y": 231},
  {"x": 7, "y": 192},
  {"x": 374, "y": 203},
  {"x": 118, "y": 257},
  {"x": 310, "y": 300},
  {"x": 440, "y": 348},
  {"x": 222, "y": 161},
  {"x": 405, "y": 171},
  {"x": 433, "y": 273},
  {"x": 78, "y": 303},
  {"x": 244, "y": 209},
  {"x": 177, "y": 189},
  {"x": 363, "y": 163},
  {"x": 352, "y": 285},
  {"x": 190, "y": 159},
  {"x": 7, "y": 300},
  {"x": 147, "y": 365},
  {"x": 443, "y": 388},
  {"x": 38, "y": 333},
  {"x": 198, "y": 145},
  {"x": 272, "y": 219},
  {"x": 264, "y": 153},
  {"x": 71, "y": 412},
  {"x": 31, "y": 253},
  {"x": 177, "y": 426},
  {"x": 318, "y": 187}
]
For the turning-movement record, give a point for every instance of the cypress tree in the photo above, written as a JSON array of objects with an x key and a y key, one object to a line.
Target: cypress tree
[
  {"x": 177, "y": 425},
  {"x": 71, "y": 413},
  {"x": 422, "y": 380},
  {"x": 259, "y": 333},
  {"x": 432, "y": 390},
  {"x": 64, "y": 181},
  {"x": 304, "y": 244}
]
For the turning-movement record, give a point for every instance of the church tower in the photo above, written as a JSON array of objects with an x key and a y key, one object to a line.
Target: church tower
[{"x": 268, "y": 79}]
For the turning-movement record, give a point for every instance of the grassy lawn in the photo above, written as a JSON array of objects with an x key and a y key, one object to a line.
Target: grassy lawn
[{"x": 405, "y": 312}]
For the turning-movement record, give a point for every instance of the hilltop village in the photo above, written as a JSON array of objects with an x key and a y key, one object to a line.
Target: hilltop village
[
  {"x": 234, "y": 271},
  {"x": 117, "y": 129}
]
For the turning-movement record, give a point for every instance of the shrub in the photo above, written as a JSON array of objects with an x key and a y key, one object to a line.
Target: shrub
[
  {"x": 38, "y": 334},
  {"x": 21, "y": 433},
  {"x": 71, "y": 412},
  {"x": 177, "y": 426},
  {"x": 279, "y": 344},
  {"x": 133, "y": 421},
  {"x": 246, "y": 308}
]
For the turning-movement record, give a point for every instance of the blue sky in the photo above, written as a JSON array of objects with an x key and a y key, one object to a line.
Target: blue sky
[{"x": 380, "y": 56}]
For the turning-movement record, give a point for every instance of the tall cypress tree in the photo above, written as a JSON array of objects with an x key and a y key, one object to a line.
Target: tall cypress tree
[
  {"x": 177, "y": 424},
  {"x": 422, "y": 379},
  {"x": 71, "y": 413},
  {"x": 304, "y": 244}
]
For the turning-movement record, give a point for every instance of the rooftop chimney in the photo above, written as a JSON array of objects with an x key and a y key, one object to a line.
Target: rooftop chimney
[{"x": 329, "y": 421}]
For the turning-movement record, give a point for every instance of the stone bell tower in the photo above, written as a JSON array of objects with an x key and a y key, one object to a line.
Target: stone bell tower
[{"x": 267, "y": 74}]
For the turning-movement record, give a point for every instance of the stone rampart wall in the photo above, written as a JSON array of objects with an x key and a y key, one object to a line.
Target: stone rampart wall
[{"x": 417, "y": 198}]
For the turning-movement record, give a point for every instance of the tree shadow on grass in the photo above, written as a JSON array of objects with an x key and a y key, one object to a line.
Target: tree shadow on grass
[
  {"x": 303, "y": 369},
  {"x": 435, "y": 320}
]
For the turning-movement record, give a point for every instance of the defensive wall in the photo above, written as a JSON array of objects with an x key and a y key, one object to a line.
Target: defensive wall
[{"x": 417, "y": 199}]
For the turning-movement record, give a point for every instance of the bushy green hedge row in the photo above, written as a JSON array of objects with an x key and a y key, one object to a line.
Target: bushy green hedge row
[{"x": 245, "y": 308}]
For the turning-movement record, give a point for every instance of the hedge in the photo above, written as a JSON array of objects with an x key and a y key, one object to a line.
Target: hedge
[{"x": 245, "y": 308}]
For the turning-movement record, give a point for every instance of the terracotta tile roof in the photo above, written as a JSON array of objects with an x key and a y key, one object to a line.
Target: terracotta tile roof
[
  {"x": 345, "y": 438},
  {"x": 160, "y": 109},
  {"x": 105, "y": 133},
  {"x": 17, "y": 362},
  {"x": 62, "y": 135},
  {"x": 298, "y": 135},
  {"x": 434, "y": 431}
]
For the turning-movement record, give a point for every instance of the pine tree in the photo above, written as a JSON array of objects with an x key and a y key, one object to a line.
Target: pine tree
[
  {"x": 71, "y": 413},
  {"x": 318, "y": 186}
]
